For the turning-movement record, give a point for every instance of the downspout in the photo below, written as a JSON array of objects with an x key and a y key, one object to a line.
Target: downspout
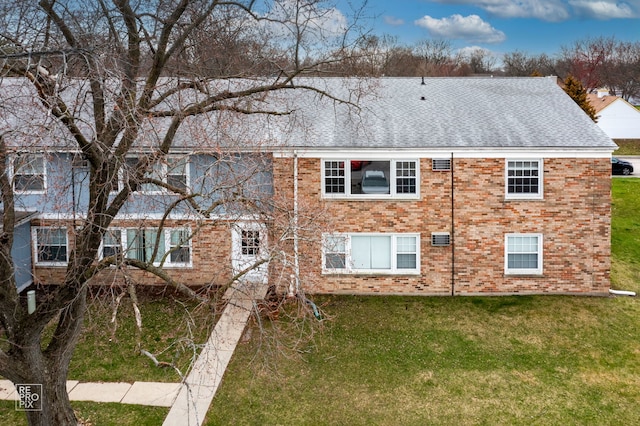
[
  {"x": 453, "y": 255},
  {"x": 296, "y": 255}
]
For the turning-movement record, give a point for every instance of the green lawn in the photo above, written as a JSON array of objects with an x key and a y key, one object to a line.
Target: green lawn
[
  {"x": 170, "y": 328},
  {"x": 96, "y": 414},
  {"x": 628, "y": 147},
  {"x": 465, "y": 360}
]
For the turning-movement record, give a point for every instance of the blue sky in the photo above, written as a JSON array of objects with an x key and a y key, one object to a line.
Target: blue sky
[{"x": 530, "y": 26}]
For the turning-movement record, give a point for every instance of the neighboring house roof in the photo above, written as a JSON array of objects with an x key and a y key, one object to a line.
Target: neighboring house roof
[
  {"x": 600, "y": 102},
  {"x": 385, "y": 113},
  {"x": 616, "y": 117}
]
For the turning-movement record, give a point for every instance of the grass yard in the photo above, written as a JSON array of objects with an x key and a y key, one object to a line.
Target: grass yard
[
  {"x": 170, "y": 326},
  {"x": 95, "y": 414},
  {"x": 627, "y": 147},
  {"x": 466, "y": 360}
]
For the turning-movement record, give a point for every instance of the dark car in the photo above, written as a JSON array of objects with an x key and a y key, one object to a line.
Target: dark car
[{"x": 621, "y": 167}]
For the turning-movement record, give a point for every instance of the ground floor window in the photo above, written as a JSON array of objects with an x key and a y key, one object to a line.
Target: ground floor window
[
  {"x": 371, "y": 253},
  {"x": 523, "y": 254},
  {"x": 51, "y": 246},
  {"x": 170, "y": 247}
]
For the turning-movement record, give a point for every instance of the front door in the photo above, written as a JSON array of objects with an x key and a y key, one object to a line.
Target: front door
[{"x": 249, "y": 249}]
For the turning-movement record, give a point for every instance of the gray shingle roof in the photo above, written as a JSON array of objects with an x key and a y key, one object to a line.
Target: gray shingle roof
[
  {"x": 391, "y": 113},
  {"x": 454, "y": 113}
]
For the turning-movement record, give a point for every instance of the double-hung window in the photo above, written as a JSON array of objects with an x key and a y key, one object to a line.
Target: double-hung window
[
  {"x": 29, "y": 173},
  {"x": 524, "y": 179},
  {"x": 174, "y": 171},
  {"x": 112, "y": 243},
  {"x": 171, "y": 244},
  {"x": 523, "y": 254},
  {"x": 51, "y": 246},
  {"x": 370, "y": 178},
  {"x": 371, "y": 253}
]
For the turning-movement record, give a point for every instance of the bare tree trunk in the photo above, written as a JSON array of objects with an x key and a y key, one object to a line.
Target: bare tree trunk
[{"x": 47, "y": 370}]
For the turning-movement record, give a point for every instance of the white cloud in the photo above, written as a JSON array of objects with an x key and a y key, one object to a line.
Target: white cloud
[
  {"x": 555, "y": 10},
  {"x": 390, "y": 20},
  {"x": 547, "y": 10},
  {"x": 605, "y": 9},
  {"x": 470, "y": 28}
]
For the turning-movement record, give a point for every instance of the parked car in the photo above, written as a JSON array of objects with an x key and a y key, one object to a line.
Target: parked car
[
  {"x": 621, "y": 167},
  {"x": 375, "y": 182}
]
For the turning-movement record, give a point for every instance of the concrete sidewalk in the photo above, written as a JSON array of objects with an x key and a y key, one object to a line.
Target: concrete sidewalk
[
  {"x": 190, "y": 400},
  {"x": 140, "y": 393},
  {"x": 201, "y": 384}
]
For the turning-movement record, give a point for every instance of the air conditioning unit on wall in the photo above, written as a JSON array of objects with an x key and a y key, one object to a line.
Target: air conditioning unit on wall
[{"x": 440, "y": 239}]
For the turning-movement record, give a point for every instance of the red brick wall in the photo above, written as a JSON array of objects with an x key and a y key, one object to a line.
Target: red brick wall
[
  {"x": 574, "y": 218},
  {"x": 211, "y": 259}
]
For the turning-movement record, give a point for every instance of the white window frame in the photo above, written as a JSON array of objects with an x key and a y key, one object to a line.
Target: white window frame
[
  {"x": 166, "y": 235},
  {"x": 114, "y": 231},
  {"x": 36, "y": 246},
  {"x": 349, "y": 268},
  {"x": 393, "y": 162},
  {"x": 524, "y": 195},
  {"x": 160, "y": 168},
  {"x": 523, "y": 271},
  {"x": 15, "y": 171}
]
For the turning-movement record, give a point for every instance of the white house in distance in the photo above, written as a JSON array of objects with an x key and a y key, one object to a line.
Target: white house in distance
[{"x": 617, "y": 117}]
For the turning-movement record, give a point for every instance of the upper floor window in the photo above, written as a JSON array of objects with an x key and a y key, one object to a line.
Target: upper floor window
[
  {"x": 523, "y": 254},
  {"x": 174, "y": 171},
  {"x": 370, "y": 178},
  {"x": 371, "y": 253},
  {"x": 171, "y": 244},
  {"x": 524, "y": 179},
  {"x": 29, "y": 173},
  {"x": 51, "y": 246}
]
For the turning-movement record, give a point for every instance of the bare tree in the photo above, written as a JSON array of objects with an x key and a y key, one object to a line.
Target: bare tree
[
  {"x": 101, "y": 77},
  {"x": 621, "y": 70},
  {"x": 585, "y": 60},
  {"x": 520, "y": 64}
]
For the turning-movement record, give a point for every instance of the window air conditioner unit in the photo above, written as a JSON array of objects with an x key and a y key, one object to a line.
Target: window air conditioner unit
[
  {"x": 441, "y": 164},
  {"x": 440, "y": 239}
]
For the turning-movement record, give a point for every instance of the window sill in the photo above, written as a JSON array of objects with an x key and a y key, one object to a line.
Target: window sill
[
  {"x": 34, "y": 192},
  {"x": 51, "y": 265},
  {"x": 523, "y": 275},
  {"x": 524, "y": 198},
  {"x": 361, "y": 197},
  {"x": 373, "y": 273}
]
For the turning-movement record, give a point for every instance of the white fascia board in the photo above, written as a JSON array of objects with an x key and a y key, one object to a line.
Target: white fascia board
[{"x": 604, "y": 152}]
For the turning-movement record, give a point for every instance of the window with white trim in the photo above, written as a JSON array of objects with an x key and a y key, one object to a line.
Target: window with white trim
[
  {"x": 173, "y": 171},
  {"x": 523, "y": 254},
  {"x": 112, "y": 243},
  {"x": 371, "y": 253},
  {"x": 173, "y": 245},
  {"x": 51, "y": 246},
  {"x": 178, "y": 172},
  {"x": 370, "y": 178},
  {"x": 524, "y": 179},
  {"x": 29, "y": 173}
]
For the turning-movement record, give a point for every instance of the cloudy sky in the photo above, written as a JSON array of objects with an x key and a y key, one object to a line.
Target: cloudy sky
[{"x": 531, "y": 26}]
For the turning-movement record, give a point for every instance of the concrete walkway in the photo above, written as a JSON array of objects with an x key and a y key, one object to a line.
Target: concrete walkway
[{"x": 190, "y": 400}]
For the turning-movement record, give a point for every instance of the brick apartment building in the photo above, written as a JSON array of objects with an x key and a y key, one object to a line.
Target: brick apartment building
[{"x": 438, "y": 186}]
